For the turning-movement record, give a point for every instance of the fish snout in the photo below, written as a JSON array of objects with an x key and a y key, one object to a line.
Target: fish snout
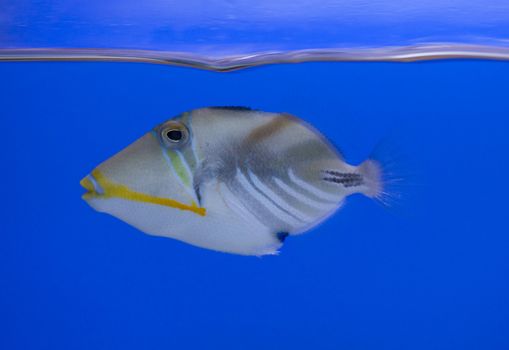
[{"x": 92, "y": 186}]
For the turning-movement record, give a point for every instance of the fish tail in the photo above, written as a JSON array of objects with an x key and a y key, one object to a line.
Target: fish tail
[
  {"x": 382, "y": 175},
  {"x": 373, "y": 175}
]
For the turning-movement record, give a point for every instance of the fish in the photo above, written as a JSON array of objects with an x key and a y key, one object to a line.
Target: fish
[{"x": 230, "y": 179}]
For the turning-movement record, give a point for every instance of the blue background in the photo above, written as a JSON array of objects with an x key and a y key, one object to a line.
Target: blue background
[{"x": 431, "y": 276}]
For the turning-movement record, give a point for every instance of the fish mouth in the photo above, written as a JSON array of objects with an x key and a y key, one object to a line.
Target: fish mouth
[{"x": 92, "y": 187}]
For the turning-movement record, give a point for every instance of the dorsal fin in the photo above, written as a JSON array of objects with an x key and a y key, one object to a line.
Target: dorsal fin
[{"x": 233, "y": 108}]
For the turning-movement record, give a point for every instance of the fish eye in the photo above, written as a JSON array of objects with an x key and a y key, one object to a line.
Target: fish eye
[{"x": 174, "y": 134}]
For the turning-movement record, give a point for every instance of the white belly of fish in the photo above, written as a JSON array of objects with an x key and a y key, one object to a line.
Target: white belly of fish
[{"x": 227, "y": 226}]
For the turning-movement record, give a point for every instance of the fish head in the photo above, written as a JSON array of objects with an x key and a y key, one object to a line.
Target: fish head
[{"x": 149, "y": 184}]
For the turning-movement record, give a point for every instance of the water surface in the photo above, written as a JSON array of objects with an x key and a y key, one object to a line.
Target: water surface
[{"x": 226, "y": 35}]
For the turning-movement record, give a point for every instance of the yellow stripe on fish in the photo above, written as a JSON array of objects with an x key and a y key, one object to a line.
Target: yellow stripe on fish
[{"x": 114, "y": 190}]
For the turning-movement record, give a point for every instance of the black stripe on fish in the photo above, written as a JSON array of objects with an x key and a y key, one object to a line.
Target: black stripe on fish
[
  {"x": 233, "y": 108},
  {"x": 197, "y": 193},
  {"x": 345, "y": 179}
]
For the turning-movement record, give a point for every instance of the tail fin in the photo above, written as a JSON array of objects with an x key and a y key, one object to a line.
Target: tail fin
[
  {"x": 382, "y": 175},
  {"x": 372, "y": 174}
]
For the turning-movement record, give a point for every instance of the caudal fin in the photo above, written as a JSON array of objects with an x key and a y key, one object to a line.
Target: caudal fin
[
  {"x": 382, "y": 175},
  {"x": 373, "y": 178}
]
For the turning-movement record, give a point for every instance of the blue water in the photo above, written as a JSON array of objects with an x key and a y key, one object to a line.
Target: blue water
[{"x": 433, "y": 275}]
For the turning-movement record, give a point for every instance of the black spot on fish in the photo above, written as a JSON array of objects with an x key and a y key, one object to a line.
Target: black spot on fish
[
  {"x": 233, "y": 108},
  {"x": 281, "y": 236},
  {"x": 345, "y": 179}
]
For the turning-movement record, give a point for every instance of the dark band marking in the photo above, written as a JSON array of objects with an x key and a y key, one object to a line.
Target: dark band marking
[
  {"x": 267, "y": 197},
  {"x": 232, "y": 108},
  {"x": 345, "y": 179},
  {"x": 197, "y": 193},
  {"x": 254, "y": 206},
  {"x": 267, "y": 130}
]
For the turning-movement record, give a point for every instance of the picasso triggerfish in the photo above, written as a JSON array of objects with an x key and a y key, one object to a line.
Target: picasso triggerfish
[{"x": 231, "y": 179}]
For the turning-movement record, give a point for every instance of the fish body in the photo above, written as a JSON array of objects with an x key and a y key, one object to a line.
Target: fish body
[{"x": 230, "y": 179}]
